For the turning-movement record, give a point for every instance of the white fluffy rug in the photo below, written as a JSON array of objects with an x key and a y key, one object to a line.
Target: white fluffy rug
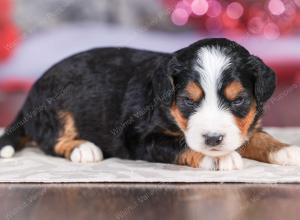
[{"x": 31, "y": 165}]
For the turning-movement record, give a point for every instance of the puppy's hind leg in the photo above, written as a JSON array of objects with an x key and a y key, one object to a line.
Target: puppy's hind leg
[
  {"x": 263, "y": 147},
  {"x": 79, "y": 151},
  {"x": 70, "y": 146}
]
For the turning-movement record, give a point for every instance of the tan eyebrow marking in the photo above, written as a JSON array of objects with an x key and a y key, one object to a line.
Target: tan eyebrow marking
[
  {"x": 194, "y": 91},
  {"x": 233, "y": 90}
]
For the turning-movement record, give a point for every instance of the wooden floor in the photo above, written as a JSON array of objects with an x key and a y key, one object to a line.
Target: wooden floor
[{"x": 149, "y": 201}]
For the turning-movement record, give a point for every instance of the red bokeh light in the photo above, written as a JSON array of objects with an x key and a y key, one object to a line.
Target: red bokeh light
[{"x": 267, "y": 18}]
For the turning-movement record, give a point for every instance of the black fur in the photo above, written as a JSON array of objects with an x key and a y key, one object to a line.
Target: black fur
[{"x": 121, "y": 98}]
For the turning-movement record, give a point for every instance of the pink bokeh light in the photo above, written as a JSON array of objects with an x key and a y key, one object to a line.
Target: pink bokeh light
[
  {"x": 215, "y": 9},
  {"x": 256, "y": 25},
  {"x": 271, "y": 31},
  {"x": 185, "y": 6},
  {"x": 179, "y": 16},
  {"x": 235, "y": 10},
  {"x": 297, "y": 2},
  {"x": 189, "y": 2},
  {"x": 199, "y": 7},
  {"x": 276, "y": 7}
]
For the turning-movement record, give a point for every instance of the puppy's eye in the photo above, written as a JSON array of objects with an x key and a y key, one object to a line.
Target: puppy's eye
[
  {"x": 187, "y": 101},
  {"x": 238, "y": 102}
]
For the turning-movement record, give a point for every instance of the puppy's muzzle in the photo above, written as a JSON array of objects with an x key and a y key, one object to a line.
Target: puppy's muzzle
[{"x": 213, "y": 139}]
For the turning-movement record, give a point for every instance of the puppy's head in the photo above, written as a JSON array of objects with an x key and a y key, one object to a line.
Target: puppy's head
[{"x": 221, "y": 90}]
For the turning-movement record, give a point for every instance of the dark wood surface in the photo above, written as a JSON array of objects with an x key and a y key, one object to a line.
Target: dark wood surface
[{"x": 150, "y": 201}]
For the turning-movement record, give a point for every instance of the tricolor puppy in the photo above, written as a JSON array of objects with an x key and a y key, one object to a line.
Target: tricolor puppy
[{"x": 199, "y": 106}]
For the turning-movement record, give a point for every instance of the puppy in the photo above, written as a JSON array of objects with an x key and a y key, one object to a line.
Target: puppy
[{"x": 199, "y": 106}]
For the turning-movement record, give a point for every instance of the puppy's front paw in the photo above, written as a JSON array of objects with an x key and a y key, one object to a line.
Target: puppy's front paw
[
  {"x": 86, "y": 153},
  {"x": 232, "y": 161},
  {"x": 288, "y": 156}
]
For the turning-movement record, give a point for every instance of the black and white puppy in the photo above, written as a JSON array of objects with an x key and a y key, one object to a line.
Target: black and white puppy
[{"x": 199, "y": 106}]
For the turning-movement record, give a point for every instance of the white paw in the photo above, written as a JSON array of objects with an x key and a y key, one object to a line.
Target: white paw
[
  {"x": 7, "y": 151},
  {"x": 232, "y": 161},
  {"x": 289, "y": 156},
  {"x": 86, "y": 153},
  {"x": 209, "y": 163}
]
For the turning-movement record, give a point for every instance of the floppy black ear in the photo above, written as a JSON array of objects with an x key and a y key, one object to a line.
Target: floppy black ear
[
  {"x": 163, "y": 87},
  {"x": 265, "y": 79},
  {"x": 163, "y": 82}
]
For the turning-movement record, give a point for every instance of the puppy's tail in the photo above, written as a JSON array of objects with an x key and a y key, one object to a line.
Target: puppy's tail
[{"x": 14, "y": 138}]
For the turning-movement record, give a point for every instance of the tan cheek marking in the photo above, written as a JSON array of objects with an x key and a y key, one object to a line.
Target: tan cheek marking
[
  {"x": 67, "y": 138},
  {"x": 190, "y": 158},
  {"x": 177, "y": 115},
  {"x": 245, "y": 123},
  {"x": 260, "y": 146},
  {"x": 233, "y": 90},
  {"x": 194, "y": 91}
]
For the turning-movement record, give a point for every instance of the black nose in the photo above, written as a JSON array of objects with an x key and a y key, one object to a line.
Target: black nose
[{"x": 213, "y": 139}]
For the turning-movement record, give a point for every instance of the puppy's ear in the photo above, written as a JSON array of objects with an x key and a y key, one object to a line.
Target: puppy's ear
[
  {"x": 265, "y": 79},
  {"x": 163, "y": 82}
]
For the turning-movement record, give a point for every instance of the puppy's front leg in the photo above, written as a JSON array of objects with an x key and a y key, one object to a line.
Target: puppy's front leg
[
  {"x": 231, "y": 161},
  {"x": 263, "y": 147}
]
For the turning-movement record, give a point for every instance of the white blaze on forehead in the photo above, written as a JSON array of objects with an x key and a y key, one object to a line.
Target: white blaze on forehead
[
  {"x": 209, "y": 117},
  {"x": 210, "y": 63}
]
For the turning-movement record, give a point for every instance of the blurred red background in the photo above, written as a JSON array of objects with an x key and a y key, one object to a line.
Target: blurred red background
[{"x": 258, "y": 24}]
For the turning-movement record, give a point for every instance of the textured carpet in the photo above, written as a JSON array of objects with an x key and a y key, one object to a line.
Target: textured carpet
[{"x": 31, "y": 165}]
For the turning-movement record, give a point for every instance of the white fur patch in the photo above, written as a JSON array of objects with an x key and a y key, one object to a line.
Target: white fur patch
[
  {"x": 232, "y": 161},
  {"x": 210, "y": 117},
  {"x": 289, "y": 156},
  {"x": 211, "y": 62},
  {"x": 7, "y": 151},
  {"x": 86, "y": 153},
  {"x": 209, "y": 163}
]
